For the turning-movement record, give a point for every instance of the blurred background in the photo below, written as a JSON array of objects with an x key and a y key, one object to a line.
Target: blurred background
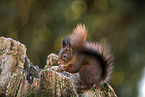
[{"x": 41, "y": 25}]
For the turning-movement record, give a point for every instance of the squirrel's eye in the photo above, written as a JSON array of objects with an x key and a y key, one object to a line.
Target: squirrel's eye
[{"x": 65, "y": 56}]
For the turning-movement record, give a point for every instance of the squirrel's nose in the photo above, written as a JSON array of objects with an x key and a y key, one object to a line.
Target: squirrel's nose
[{"x": 59, "y": 62}]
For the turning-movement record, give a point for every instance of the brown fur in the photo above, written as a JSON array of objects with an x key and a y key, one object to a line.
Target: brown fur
[{"x": 93, "y": 63}]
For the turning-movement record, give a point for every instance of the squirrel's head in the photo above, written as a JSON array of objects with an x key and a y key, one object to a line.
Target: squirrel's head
[{"x": 65, "y": 53}]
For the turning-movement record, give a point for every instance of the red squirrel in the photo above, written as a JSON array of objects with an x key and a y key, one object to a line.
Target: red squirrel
[{"x": 90, "y": 60}]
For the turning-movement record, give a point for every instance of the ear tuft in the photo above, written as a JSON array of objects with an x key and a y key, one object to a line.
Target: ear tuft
[
  {"x": 68, "y": 41},
  {"x": 63, "y": 43}
]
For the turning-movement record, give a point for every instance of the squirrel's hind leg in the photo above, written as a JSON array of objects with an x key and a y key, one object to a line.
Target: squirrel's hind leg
[{"x": 82, "y": 89}]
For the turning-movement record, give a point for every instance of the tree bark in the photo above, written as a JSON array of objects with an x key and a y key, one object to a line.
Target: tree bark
[{"x": 18, "y": 76}]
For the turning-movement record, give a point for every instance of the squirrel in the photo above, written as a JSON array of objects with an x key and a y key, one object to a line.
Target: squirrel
[{"x": 93, "y": 63}]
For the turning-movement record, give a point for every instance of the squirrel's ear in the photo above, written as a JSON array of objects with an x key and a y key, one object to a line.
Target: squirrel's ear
[
  {"x": 63, "y": 43},
  {"x": 68, "y": 40}
]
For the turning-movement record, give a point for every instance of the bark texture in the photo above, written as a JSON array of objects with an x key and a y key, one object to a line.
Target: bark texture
[{"x": 19, "y": 78}]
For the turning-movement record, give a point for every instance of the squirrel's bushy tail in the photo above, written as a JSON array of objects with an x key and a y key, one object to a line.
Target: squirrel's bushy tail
[
  {"x": 78, "y": 42},
  {"x": 78, "y": 37}
]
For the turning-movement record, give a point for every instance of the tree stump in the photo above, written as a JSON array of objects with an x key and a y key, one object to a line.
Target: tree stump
[{"x": 18, "y": 76}]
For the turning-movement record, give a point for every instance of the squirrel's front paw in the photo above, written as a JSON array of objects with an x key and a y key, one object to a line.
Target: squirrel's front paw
[{"x": 61, "y": 68}]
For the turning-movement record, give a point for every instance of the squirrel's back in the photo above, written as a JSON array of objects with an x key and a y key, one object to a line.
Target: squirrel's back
[{"x": 79, "y": 43}]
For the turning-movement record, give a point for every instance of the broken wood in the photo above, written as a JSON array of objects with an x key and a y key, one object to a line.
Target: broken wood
[{"x": 19, "y": 77}]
